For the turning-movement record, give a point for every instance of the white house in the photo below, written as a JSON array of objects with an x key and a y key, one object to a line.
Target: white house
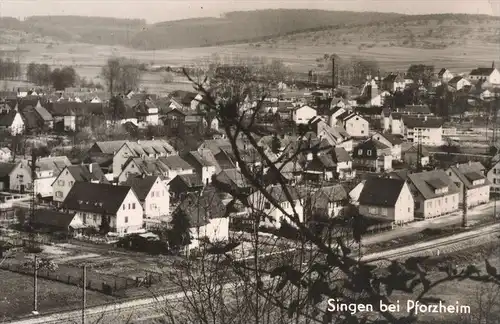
[
  {"x": 12, "y": 121},
  {"x": 394, "y": 203},
  {"x": 493, "y": 176},
  {"x": 304, "y": 114},
  {"x": 434, "y": 192},
  {"x": 151, "y": 148},
  {"x": 147, "y": 113},
  {"x": 471, "y": 176},
  {"x": 72, "y": 174},
  {"x": 490, "y": 75},
  {"x": 356, "y": 126},
  {"x": 153, "y": 195},
  {"x": 396, "y": 126},
  {"x": 393, "y": 141},
  {"x": 99, "y": 205},
  {"x": 329, "y": 200},
  {"x": 445, "y": 75},
  {"x": 48, "y": 169},
  {"x": 5, "y": 154},
  {"x": 275, "y": 216},
  {"x": 167, "y": 167},
  {"x": 458, "y": 82},
  {"x": 429, "y": 131},
  {"x": 15, "y": 177},
  {"x": 207, "y": 216}
]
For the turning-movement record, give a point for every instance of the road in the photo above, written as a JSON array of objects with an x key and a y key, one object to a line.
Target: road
[{"x": 145, "y": 310}]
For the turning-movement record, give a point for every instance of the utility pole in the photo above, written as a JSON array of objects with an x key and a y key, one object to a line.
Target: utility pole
[
  {"x": 464, "y": 206},
  {"x": 84, "y": 297},
  {"x": 35, "y": 286},
  {"x": 33, "y": 197},
  {"x": 419, "y": 150}
]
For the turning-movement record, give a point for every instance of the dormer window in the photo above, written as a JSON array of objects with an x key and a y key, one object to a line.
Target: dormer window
[
  {"x": 369, "y": 152},
  {"x": 478, "y": 182}
]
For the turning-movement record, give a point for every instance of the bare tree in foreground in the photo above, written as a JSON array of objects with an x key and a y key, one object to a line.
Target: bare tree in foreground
[{"x": 323, "y": 267}]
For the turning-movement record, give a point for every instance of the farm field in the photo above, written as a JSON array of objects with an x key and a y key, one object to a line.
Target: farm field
[{"x": 87, "y": 59}]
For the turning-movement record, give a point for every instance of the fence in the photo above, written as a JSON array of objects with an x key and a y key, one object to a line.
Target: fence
[
  {"x": 7, "y": 216},
  {"x": 107, "y": 284}
]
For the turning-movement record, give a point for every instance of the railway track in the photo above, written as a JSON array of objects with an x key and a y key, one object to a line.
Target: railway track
[{"x": 173, "y": 294}]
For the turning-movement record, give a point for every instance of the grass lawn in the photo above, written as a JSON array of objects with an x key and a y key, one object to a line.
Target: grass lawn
[{"x": 16, "y": 296}]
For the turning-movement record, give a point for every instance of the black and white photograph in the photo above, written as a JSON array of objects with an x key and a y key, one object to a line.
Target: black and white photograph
[{"x": 249, "y": 162}]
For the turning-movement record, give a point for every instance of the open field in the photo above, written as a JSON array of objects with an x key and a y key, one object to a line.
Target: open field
[
  {"x": 17, "y": 295},
  {"x": 87, "y": 59}
]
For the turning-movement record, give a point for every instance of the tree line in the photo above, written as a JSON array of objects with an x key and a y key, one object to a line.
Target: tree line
[
  {"x": 10, "y": 69},
  {"x": 43, "y": 75}
]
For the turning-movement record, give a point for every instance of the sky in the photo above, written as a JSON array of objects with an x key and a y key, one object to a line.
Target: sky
[{"x": 163, "y": 10}]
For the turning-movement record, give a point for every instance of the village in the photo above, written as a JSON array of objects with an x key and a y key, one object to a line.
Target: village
[{"x": 166, "y": 163}]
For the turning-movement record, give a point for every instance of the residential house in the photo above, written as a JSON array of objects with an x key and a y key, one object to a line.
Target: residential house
[
  {"x": 153, "y": 195},
  {"x": 12, "y": 122},
  {"x": 458, "y": 83},
  {"x": 387, "y": 199},
  {"x": 142, "y": 166},
  {"x": 343, "y": 161},
  {"x": 410, "y": 156},
  {"x": 201, "y": 166},
  {"x": 391, "y": 140},
  {"x": 72, "y": 174},
  {"x": 47, "y": 169},
  {"x": 147, "y": 113},
  {"x": 372, "y": 155},
  {"x": 393, "y": 82},
  {"x": 490, "y": 75},
  {"x": 320, "y": 168},
  {"x": 289, "y": 172},
  {"x": 173, "y": 117},
  {"x": 470, "y": 179},
  {"x": 445, "y": 75},
  {"x": 396, "y": 124},
  {"x": 150, "y": 148},
  {"x": 275, "y": 216},
  {"x": 15, "y": 177},
  {"x": 183, "y": 184},
  {"x": 232, "y": 182},
  {"x": 54, "y": 221},
  {"x": 336, "y": 135},
  {"x": 328, "y": 201},
  {"x": 302, "y": 115},
  {"x": 434, "y": 192},
  {"x": 427, "y": 131},
  {"x": 356, "y": 126},
  {"x": 183, "y": 100},
  {"x": 493, "y": 176},
  {"x": 5, "y": 154},
  {"x": 100, "y": 205},
  {"x": 45, "y": 115},
  {"x": 207, "y": 217}
]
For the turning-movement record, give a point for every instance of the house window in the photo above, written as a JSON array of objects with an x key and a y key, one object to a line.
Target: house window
[
  {"x": 429, "y": 204},
  {"x": 445, "y": 200},
  {"x": 267, "y": 205},
  {"x": 360, "y": 152},
  {"x": 409, "y": 209},
  {"x": 383, "y": 211},
  {"x": 152, "y": 193},
  {"x": 60, "y": 182},
  {"x": 372, "y": 210},
  {"x": 369, "y": 152},
  {"x": 126, "y": 219},
  {"x": 123, "y": 206},
  {"x": 129, "y": 206},
  {"x": 133, "y": 205},
  {"x": 71, "y": 183}
]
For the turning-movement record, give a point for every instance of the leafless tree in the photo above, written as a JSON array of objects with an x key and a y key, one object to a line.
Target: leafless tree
[{"x": 121, "y": 74}]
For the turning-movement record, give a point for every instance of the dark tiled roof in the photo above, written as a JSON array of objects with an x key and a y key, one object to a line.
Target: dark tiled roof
[
  {"x": 110, "y": 147},
  {"x": 470, "y": 172},
  {"x": 340, "y": 155},
  {"x": 232, "y": 176},
  {"x": 95, "y": 197},
  {"x": 482, "y": 71},
  {"x": 278, "y": 193},
  {"x": 191, "y": 180},
  {"x": 381, "y": 192},
  {"x": 52, "y": 218},
  {"x": 414, "y": 149},
  {"x": 31, "y": 118},
  {"x": 175, "y": 162},
  {"x": 6, "y": 168},
  {"x": 421, "y": 182},
  {"x": 455, "y": 80},
  {"x": 43, "y": 113},
  {"x": 6, "y": 119},
  {"x": 142, "y": 186},
  {"x": 325, "y": 195},
  {"x": 201, "y": 208},
  {"x": 412, "y": 122},
  {"x": 81, "y": 172}
]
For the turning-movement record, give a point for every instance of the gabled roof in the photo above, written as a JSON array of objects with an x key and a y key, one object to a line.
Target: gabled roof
[
  {"x": 110, "y": 147},
  {"x": 201, "y": 208},
  {"x": 31, "y": 118},
  {"x": 194, "y": 157},
  {"x": 482, "y": 71},
  {"x": 412, "y": 122},
  {"x": 324, "y": 195},
  {"x": 470, "y": 172},
  {"x": 97, "y": 198},
  {"x": 7, "y": 168},
  {"x": 414, "y": 149},
  {"x": 141, "y": 185},
  {"x": 53, "y": 218},
  {"x": 278, "y": 193},
  {"x": 210, "y": 158},
  {"x": 151, "y": 147},
  {"x": 175, "y": 162},
  {"x": 339, "y": 154},
  {"x": 442, "y": 71},
  {"x": 426, "y": 183},
  {"x": 190, "y": 180},
  {"x": 6, "y": 119},
  {"x": 54, "y": 163},
  {"x": 391, "y": 138},
  {"x": 147, "y": 166},
  {"x": 232, "y": 176},
  {"x": 81, "y": 173},
  {"x": 455, "y": 80},
  {"x": 43, "y": 113},
  {"x": 381, "y": 192}
]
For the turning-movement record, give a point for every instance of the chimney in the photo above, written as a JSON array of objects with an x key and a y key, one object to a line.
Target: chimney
[
  {"x": 90, "y": 167},
  {"x": 425, "y": 118}
]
